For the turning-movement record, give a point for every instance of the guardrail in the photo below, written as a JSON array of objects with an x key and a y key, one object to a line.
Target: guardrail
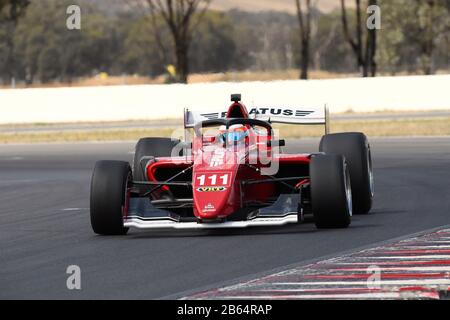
[{"x": 145, "y": 102}]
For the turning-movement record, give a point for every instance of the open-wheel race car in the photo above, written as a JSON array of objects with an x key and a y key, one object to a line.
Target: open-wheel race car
[{"x": 232, "y": 174}]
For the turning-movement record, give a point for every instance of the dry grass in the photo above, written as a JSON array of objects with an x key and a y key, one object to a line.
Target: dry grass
[
  {"x": 230, "y": 76},
  {"x": 94, "y": 82},
  {"x": 375, "y": 128},
  {"x": 87, "y": 126},
  {"x": 70, "y": 136},
  {"x": 237, "y": 76},
  {"x": 272, "y": 75}
]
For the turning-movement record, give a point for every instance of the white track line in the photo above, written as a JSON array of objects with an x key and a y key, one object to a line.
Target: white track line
[
  {"x": 322, "y": 290},
  {"x": 382, "y": 269},
  {"x": 427, "y": 257},
  {"x": 403, "y": 283},
  {"x": 422, "y": 243},
  {"x": 419, "y": 247},
  {"x": 384, "y": 295},
  {"x": 20, "y": 181},
  {"x": 12, "y": 159}
]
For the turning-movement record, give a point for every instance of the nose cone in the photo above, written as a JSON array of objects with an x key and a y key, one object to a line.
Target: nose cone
[
  {"x": 214, "y": 185},
  {"x": 213, "y": 200}
]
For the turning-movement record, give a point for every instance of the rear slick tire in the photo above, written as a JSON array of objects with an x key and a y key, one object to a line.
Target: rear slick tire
[{"x": 150, "y": 147}]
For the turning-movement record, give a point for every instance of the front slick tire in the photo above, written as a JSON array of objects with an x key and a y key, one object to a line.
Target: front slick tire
[
  {"x": 356, "y": 150},
  {"x": 331, "y": 196},
  {"x": 109, "y": 186}
]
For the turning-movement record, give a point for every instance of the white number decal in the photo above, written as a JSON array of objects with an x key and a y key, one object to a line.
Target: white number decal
[
  {"x": 224, "y": 179},
  {"x": 213, "y": 178},
  {"x": 202, "y": 179}
]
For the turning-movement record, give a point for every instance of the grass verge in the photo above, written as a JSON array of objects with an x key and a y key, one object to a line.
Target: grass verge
[
  {"x": 372, "y": 128},
  {"x": 375, "y": 128}
]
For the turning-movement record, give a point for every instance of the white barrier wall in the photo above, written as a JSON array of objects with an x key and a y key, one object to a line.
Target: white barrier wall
[{"x": 115, "y": 103}]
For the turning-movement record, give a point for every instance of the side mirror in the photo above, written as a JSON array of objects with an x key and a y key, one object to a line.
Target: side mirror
[{"x": 276, "y": 143}]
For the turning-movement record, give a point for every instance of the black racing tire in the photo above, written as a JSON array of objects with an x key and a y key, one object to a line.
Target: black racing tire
[
  {"x": 331, "y": 197},
  {"x": 356, "y": 149},
  {"x": 150, "y": 147},
  {"x": 109, "y": 184}
]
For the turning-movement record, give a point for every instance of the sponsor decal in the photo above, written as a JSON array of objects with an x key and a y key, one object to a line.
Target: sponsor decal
[
  {"x": 214, "y": 115},
  {"x": 280, "y": 112},
  {"x": 267, "y": 111},
  {"x": 211, "y": 189},
  {"x": 209, "y": 208}
]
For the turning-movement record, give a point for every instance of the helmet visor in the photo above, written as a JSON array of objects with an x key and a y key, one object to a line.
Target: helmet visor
[{"x": 236, "y": 136}]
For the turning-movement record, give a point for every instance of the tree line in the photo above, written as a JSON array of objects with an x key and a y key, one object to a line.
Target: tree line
[{"x": 144, "y": 36}]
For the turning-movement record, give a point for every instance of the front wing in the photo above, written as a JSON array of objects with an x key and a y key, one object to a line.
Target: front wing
[{"x": 144, "y": 215}]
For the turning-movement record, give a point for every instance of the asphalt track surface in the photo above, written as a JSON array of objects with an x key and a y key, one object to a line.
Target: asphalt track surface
[{"x": 44, "y": 225}]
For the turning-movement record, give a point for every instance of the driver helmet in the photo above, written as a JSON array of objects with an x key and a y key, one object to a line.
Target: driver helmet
[{"x": 235, "y": 134}]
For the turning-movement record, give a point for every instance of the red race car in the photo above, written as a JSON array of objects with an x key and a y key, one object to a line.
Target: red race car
[{"x": 229, "y": 172}]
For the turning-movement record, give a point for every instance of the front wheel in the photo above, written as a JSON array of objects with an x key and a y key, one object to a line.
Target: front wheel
[
  {"x": 331, "y": 193},
  {"x": 109, "y": 197},
  {"x": 355, "y": 148}
]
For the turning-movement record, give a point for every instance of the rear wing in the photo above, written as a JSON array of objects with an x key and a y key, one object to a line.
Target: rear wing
[{"x": 301, "y": 116}]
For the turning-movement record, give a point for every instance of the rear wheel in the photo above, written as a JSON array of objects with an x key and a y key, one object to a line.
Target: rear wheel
[
  {"x": 356, "y": 150},
  {"x": 150, "y": 147},
  {"x": 331, "y": 195},
  {"x": 109, "y": 197}
]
